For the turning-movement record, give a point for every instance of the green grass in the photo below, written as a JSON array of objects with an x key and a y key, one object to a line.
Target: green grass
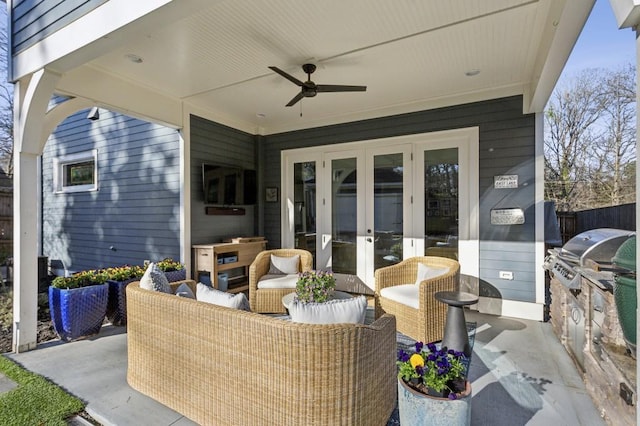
[{"x": 35, "y": 401}]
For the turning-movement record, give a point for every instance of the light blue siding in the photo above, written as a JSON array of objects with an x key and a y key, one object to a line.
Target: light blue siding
[
  {"x": 33, "y": 20},
  {"x": 134, "y": 215}
]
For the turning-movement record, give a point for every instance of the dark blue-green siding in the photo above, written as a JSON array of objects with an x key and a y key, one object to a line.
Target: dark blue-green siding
[{"x": 507, "y": 146}]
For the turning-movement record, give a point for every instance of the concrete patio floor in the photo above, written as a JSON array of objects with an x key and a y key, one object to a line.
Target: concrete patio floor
[{"x": 520, "y": 373}]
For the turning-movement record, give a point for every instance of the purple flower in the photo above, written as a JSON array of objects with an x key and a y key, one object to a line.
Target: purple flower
[
  {"x": 403, "y": 356},
  {"x": 419, "y": 346},
  {"x": 452, "y": 395},
  {"x": 431, "y": 347},
  {"x": 420, "y": 371}
]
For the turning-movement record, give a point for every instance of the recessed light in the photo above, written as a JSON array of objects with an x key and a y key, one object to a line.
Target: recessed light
[
  {"x": 133, "y": 58},
  {"x": 472, "y": 72}
]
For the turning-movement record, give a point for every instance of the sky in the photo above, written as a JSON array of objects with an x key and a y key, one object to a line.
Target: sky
[{"x": 601, "y": 44}]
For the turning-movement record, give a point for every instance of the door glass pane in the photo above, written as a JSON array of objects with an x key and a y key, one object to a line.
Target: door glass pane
[
  {"x": 441, "y": 202},
  {"x": 387, "y": 206},
  {"x": 343, "y": 215},
  {"x": 304, "y": 198}
]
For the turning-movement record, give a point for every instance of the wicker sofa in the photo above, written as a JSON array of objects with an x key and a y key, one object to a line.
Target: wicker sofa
[{"x": 220, "y": 366}]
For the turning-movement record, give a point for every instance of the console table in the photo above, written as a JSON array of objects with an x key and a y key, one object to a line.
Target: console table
[{"x": 232, "y": 258}]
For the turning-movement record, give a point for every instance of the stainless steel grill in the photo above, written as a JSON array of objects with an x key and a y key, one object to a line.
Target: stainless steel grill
[{"x": 596, "y": 246}]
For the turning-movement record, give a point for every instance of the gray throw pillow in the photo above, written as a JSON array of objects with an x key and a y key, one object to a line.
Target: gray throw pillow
[
  {"x": 337, "y": 311},
  {"x": 204, "y": 293},
  {"x": 184, "y": 290},
  {"x": 154, "y": 279},
  {"x": 284, "y": 265}
]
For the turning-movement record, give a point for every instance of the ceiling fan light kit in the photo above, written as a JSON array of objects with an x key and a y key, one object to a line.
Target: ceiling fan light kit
[{"x": 309, "y": 89}]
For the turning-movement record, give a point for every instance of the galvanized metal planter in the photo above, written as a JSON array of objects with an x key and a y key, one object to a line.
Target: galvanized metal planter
[{"x": 418, "y": 409}]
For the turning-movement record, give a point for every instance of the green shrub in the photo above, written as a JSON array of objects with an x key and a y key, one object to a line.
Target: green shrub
[
  {"x": 124, "y": 273},
  {"x": 168, "y": 265},
  {"x": 81, "y": 279}
]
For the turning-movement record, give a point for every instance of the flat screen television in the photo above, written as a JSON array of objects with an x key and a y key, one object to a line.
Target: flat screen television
[{"x": 228, "y": 185}]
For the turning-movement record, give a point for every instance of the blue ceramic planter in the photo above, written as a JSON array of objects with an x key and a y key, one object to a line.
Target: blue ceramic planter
[
  {"x": 117, "y": 304},
  {"x": 417, "y": 409},
  {"x": 173, "y": 276},
  {"x": 78, "y": 312}
]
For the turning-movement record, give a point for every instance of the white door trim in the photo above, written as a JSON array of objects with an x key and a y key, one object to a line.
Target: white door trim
[{"x": 465, "y": 139}]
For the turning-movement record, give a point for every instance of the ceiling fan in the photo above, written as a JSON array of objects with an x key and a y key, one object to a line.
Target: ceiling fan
[{"x": 309, "y": 89}]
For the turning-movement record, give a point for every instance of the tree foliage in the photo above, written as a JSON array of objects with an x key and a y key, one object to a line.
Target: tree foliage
[{"x": 590, "y": 142}]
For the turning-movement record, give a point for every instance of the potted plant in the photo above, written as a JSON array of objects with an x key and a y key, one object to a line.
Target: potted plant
[
  {"x": 78, "y": 303},
  {"x": 118, "y": 278},
  {"x": 315, "y": 286},
  {"x": 433, "y": 380},
  {"x": 173, "y": 270}
]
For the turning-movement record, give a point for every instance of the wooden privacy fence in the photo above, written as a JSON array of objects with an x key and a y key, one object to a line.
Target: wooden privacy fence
[{"x": 618, "y": 217}]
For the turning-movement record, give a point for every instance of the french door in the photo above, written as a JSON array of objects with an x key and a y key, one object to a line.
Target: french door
[{"x": 362, "y": 206}]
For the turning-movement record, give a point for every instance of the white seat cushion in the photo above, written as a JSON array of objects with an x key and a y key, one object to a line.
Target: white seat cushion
[
  {"x": 339, "y": 311},
  {"x": 427, "y": 272},
  {"x": 407, "y": 294},
  {"x": 208, "y": 294},
  {"x": 278, "y": 281}
]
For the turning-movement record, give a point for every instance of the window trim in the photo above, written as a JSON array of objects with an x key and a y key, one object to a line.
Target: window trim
[{"x": 59, "y": 164}]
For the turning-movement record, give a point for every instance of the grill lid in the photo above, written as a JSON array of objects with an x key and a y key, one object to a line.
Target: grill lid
[{"x": 598, "y": 245}]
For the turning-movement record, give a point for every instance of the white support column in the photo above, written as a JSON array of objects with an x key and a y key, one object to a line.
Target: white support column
[
  {"x": 185, "y": 202},
  {"x": 627, "y": 13},
  {"x": 32, "y": 96},
  {"x": 25, "y": 252}
]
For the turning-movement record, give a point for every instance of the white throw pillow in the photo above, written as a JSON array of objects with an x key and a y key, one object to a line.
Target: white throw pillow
[
  {"x": 184, "y": 290},
  {"x": 407, "y": 294},
  {"x": 204, "y": 293},
  {"x": 284, "y": 265},
  {"x": 154, "y": 279},
  {"x": 337, "y": 311},
  {"x": 278, "y": 281},
  {"x": 427, "y": 272}
]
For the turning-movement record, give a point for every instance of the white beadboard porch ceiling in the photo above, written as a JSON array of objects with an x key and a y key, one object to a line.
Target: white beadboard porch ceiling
[{"x": 411, "y": 55}]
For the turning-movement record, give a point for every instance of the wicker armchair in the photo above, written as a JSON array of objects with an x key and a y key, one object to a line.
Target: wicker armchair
[
  {"x": 269, "y": 300},
  {"x": 425, "y": 324}
]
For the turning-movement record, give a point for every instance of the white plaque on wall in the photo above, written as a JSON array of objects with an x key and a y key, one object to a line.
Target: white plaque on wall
[
  {"x": 507, "y": 216},
  {"x": 505, "y": 181}
]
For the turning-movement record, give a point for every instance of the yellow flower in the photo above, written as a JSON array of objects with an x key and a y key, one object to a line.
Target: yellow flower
[{"x": 416, "y": 360}]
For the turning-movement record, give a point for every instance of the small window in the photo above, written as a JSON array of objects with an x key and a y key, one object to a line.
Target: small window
[{"x": 76, "y": 172}]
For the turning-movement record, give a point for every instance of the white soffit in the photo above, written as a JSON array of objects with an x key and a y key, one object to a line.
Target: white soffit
[{"x": 412, "y": 55}]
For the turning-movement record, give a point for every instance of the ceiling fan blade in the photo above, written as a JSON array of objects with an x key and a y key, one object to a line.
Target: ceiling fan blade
[
  {"x": 339, "y": 88},
  {"x": 287, "y": 76},
  {"x": 295, "y": 100}
]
